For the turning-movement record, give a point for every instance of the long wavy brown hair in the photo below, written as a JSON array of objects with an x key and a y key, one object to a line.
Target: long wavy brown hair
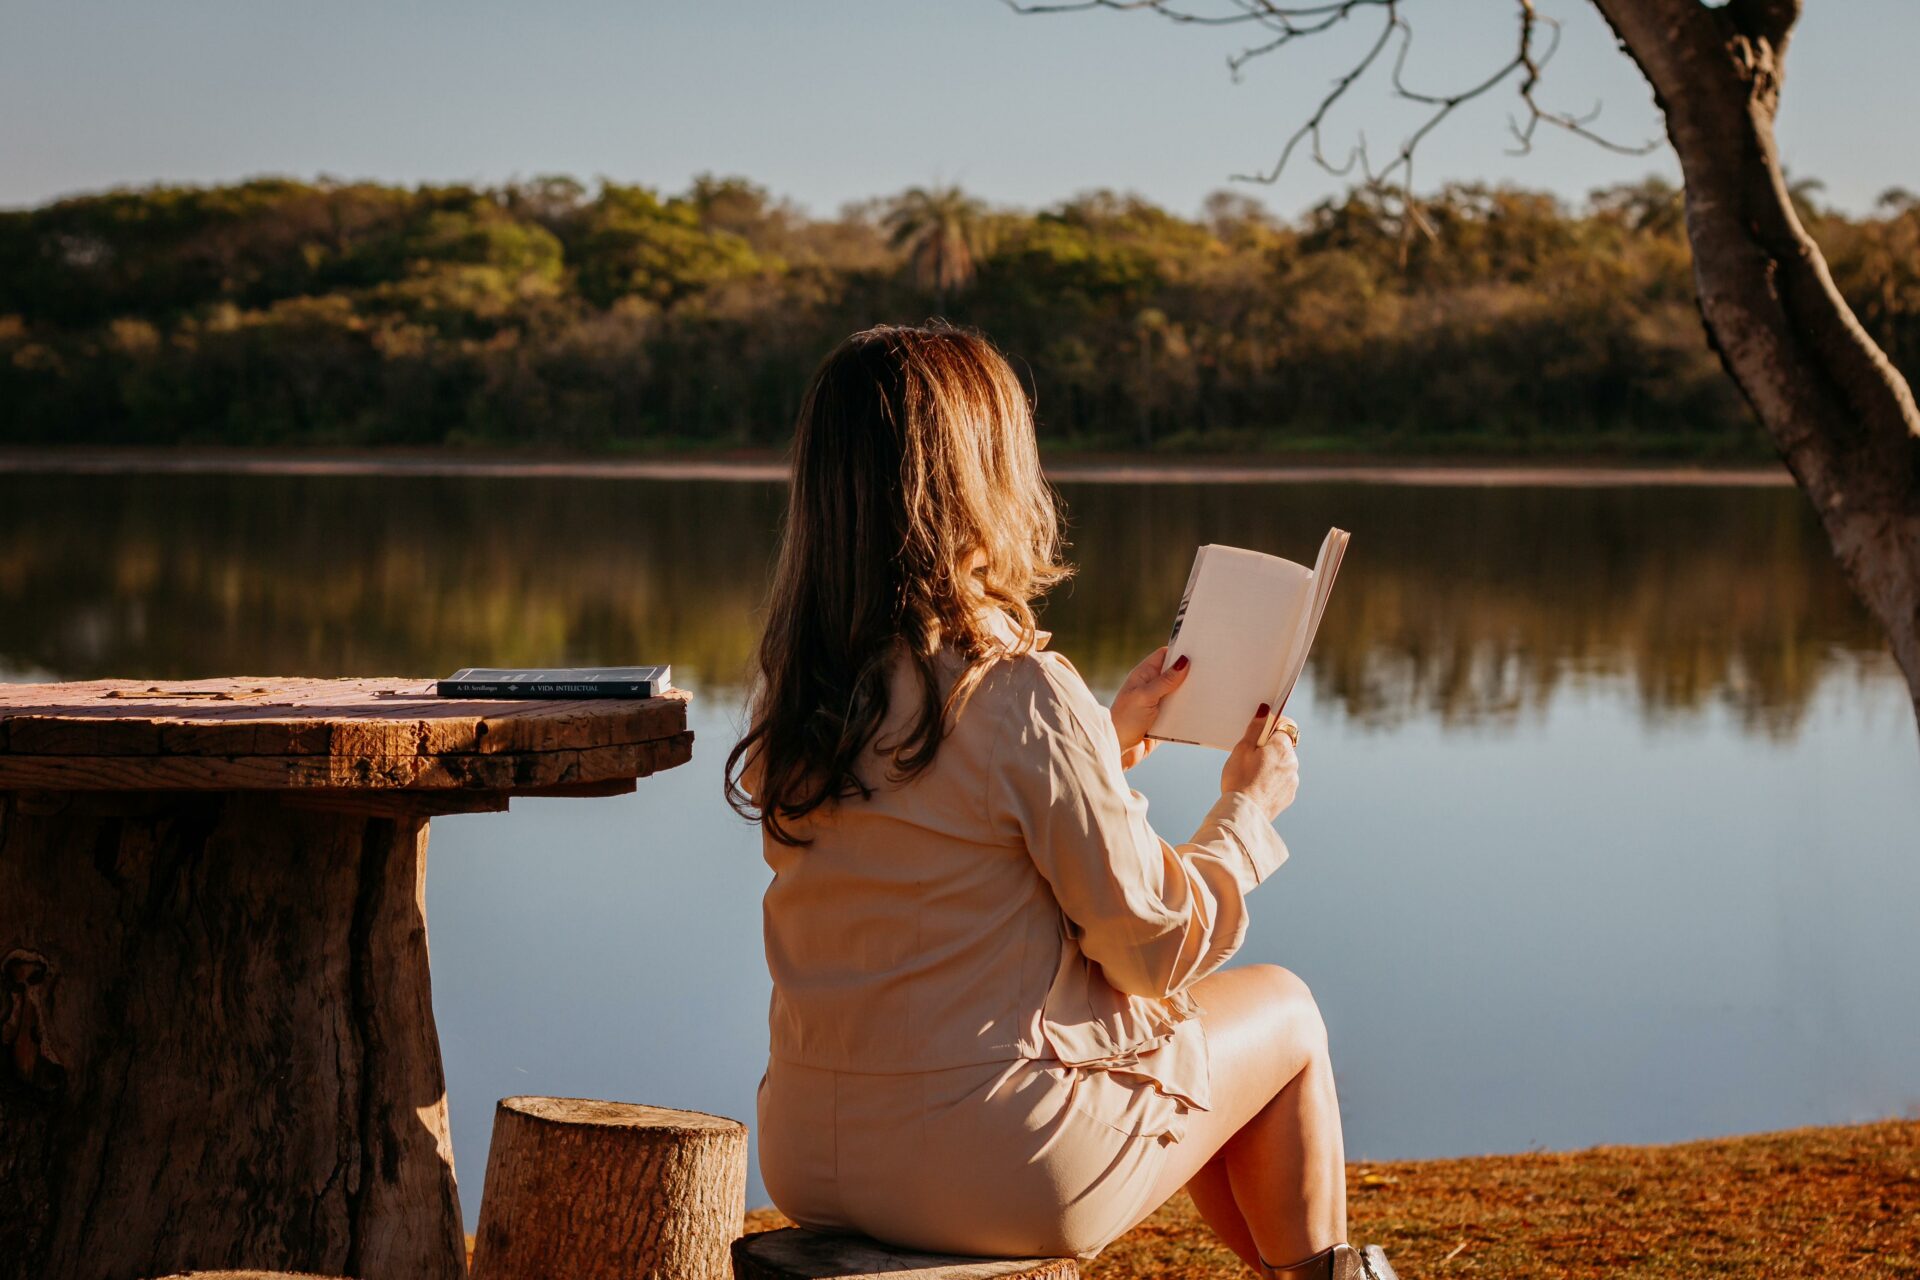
[{"x": 917, "y": 505}]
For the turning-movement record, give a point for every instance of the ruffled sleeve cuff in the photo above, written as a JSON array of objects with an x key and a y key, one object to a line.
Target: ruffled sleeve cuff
[{"x": 1236, "y": 817}]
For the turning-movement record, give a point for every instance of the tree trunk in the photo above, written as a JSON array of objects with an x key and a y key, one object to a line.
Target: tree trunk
[
  {"x": 1841, "y": 415},
  {"x": 216, "y": 1041},
  {"x": 609, "y": 1191}
]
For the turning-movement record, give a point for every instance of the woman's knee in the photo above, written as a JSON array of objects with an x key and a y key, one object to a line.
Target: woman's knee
[
  {"x": 1262, "y": 1025},
  {"x": 1292, "y": 1001}
]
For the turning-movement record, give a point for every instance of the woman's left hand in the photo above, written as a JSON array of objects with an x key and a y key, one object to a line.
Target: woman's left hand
[{"x": 1137, "y": 704}]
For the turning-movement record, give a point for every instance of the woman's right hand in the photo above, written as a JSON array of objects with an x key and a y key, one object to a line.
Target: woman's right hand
[{"x": 1270, "y": 775}]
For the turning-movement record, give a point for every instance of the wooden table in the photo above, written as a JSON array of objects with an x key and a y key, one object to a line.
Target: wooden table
[{"x": 216, "y": 1032}]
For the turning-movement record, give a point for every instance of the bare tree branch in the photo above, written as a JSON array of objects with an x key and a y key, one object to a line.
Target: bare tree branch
[
  {"x": 1538, "y": 39},
  {"x": 1531, "y": 66},
  {"x": 1245, "y": 10},
  {"x": 1311, "y": 129}
]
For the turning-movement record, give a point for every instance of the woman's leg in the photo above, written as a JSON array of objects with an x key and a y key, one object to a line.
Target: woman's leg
[
  {"x": 1266, "y": 1165},
  {"x": 1212, "y": 1194}
]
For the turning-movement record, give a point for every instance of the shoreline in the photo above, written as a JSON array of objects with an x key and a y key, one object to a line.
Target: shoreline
[{"x": 766, "y": 467}]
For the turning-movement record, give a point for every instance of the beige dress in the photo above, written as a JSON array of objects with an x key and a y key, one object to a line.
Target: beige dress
[{"x": 983, "y": 1040}]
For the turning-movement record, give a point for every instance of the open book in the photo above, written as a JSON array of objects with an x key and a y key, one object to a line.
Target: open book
[{"x": 1246, "y": 622}]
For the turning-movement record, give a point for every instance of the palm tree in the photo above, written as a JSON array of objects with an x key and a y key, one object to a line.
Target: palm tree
[
  {"x": 1895, "y": 201},
  {"x": 939, "y": 227}
]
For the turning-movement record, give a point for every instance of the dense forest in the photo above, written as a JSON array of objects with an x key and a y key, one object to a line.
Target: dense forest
[{"x": 546, "y": 314}]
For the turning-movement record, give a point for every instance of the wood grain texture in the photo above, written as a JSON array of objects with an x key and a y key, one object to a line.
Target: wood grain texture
[
  {"x": 596, "y": 1190},
  {"x": 248, "y": 1275},
  {"x": 511, "y": 772},
  {"x": 343, "y": 719},
  {"x": 794, "y": 1254},
  {"x": 216, "y": 1042}
]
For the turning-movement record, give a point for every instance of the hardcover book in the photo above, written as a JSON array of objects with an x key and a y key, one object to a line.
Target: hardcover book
[
  {"x": 556, "y": 682},
  {"x": 1246, "y": 622}
]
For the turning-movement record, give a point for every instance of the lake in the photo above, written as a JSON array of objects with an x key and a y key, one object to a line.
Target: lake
[{"x": 1606, "y": 829}]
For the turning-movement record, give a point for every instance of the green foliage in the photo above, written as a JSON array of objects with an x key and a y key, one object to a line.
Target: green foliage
[
  {"x": 633, "y": 244},
  {"x": 543, "y": 313}
]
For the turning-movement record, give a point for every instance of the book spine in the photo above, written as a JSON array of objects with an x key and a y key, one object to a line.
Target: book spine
[
  {"x": 1186, "y": 595},
  {"x": 520, "y": 689}
]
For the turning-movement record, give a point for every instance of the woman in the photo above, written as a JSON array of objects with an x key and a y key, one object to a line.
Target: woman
[{"x": 1000, "y": 1024}]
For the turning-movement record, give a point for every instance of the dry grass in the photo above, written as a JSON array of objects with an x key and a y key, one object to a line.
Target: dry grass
[{"x": 1810, "y": 1202}]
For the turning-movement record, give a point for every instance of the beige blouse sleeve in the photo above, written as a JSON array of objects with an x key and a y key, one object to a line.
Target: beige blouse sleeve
[{"x": 1156, "y": 917}]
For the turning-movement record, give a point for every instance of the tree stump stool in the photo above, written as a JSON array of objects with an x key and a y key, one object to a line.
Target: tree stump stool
[
  {"x": 794, "y": 1254},
  {"x": 590, "y": 1190}
]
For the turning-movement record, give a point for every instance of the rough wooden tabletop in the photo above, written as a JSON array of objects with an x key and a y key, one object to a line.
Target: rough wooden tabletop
[{"x": 273, "y": 733}]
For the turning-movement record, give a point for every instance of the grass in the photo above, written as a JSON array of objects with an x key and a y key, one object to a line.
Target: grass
[{"x": 1809, "y": 1202}]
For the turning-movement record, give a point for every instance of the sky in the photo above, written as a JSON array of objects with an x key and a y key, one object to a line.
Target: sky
[{"x": 826, "y": 101}]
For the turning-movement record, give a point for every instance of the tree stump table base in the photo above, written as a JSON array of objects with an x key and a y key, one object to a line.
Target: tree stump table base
[
  {"x": 794, "y": 1254},
  {"x": 217, "y": 1045},
  {"x": 181, "y": 1098}
]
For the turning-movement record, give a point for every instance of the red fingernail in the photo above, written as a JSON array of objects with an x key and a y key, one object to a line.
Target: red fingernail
[
  {"x": 1181, "y": 665},
  {"x": 1261, "y": 714}
]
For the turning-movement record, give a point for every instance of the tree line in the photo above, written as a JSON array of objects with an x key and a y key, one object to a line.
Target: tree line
[{"x": 547, "y": 314}]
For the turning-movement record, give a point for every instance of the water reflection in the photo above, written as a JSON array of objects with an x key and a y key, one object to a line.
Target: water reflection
[{"x": 1470, "y": 605}]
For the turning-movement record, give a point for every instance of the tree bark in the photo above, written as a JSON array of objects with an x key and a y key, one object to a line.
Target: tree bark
[
  {"x": 609, "y": 1191},
  {"x": 1840, "y": 414},
  {"x": 793, "y": 1254},
  {"x": 216, "y": 1041}
]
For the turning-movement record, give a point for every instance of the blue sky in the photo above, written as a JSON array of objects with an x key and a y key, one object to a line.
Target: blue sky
[{"x": 831, "y": 100}]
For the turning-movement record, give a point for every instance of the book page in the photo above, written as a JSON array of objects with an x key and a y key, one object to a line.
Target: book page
[
  {"x": 1326, "y": 567},
  {"x": 1240, "y": 626}
]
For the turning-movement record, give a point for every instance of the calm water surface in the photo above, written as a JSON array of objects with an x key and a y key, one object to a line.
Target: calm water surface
[{"x": 1606, "y": 830}]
